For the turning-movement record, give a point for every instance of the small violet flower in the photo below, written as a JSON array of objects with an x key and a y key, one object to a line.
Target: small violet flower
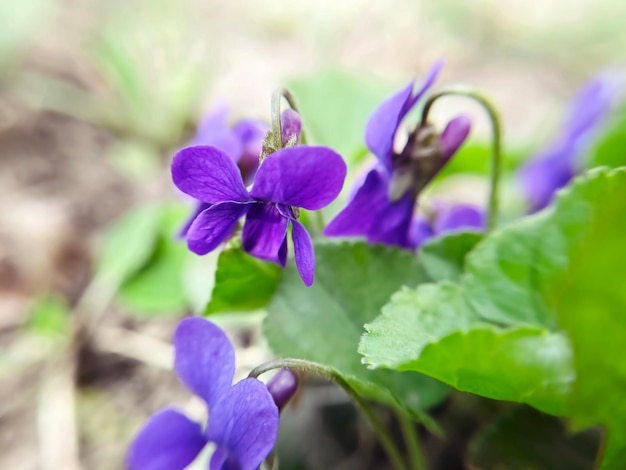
[
  {"x": 303, "y": 176},
  {"x": 448, "y": 218},
  {"x": 553, "y": 168},
  {"x": 243, "y": 421},
  {"x": 382, "y": 209}
]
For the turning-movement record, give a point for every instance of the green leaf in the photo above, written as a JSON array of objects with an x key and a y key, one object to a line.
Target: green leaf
[
  {"x": 524, "y": 439},
  {"x": 49, "y": 317},
  {"x": 591, "y": 305},
  {"x": 443, "y": 257},
  {"x": 433, "y": 330},
  {"x": 335, "y": 107},
  {"x": 242, "y": 283},
  {"x": 158, "y": 287},
  {"x": 508, "y": 275},
  {"x": 493, "y": 334},
  {"x": 128, "y": 244},
  {"x": 323, "y": 323}
]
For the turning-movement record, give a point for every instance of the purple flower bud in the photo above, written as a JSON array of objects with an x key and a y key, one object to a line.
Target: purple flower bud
[
  {"x": 454, "y": 135},
  {"x": 282, "y": 387},
  {"x": 291, "y": 125}
]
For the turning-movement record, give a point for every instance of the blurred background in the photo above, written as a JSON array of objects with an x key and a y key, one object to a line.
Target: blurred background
[{"x": 95, "y": 97}]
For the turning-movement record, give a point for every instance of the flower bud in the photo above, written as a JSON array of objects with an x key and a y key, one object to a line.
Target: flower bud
[
  {"x": 291, "y": 125},
  {"x": 282, "y": 387},
  {"x": 454, "y": 135}
]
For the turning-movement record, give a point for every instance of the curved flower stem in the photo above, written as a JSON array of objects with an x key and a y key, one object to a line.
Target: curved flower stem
[
  {"x": 329, "y": 374},
  {"x": 276, "y": 121},
  {"x": 496, "y": 152},
  {"x": 414, "y": 448}
]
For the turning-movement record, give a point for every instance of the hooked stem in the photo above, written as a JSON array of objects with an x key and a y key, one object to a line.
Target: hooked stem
[
  {"x": 329, "y": 374},
  {"x": 496, "y": 152}
]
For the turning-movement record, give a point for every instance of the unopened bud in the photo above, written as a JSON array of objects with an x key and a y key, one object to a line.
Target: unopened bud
[
  {"x": 282, "y": 387},
  {"x": 291, "y": 125}
]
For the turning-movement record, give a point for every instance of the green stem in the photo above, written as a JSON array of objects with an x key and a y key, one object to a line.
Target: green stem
[
  {"x": 496, "y": 153},
  {"x": 307, "y": 366},
  {"x": 276, "y": 122},
  {"x": 413, "y": 446}
]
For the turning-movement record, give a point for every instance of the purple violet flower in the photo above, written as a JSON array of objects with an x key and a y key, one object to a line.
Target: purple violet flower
[
  {"x": 304, "y": 176},
  {"x": 243, "y": 422},
  {"x": 448, "y": 218},
  {"x": 382, "y": 209},
  {"x": 554, "y": 167}
]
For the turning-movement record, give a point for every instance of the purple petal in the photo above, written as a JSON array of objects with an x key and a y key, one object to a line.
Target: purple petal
[
  {"x": 593, "y": 103},
  {"x": 360, "y": 213},
  {"x": 460, "y": 217},
  {"x": 168, "y": 441},
  {"x": 283, "y": 387},
  {"x": 421, "y": 231},
  {"x": 383, "y": 124},
  {"x": 214, "y": 131},
  {"x": 204, "y": 359},
  {"x": 265, "y": 232},
  {"x": 305, "y": 176},
  {"x": 454, "y": 135},
  {"x": 245, "y": 422},
  {"x": 208, "y": 174},
  {"x": 251, "y": 133},
  {"x": 303, "y": 252},
  {"x": 290, "y": 125},
  {"x": 200, "y": 207},
  {"x": 543, "y": 175},
  {"x": 393, "y": 224},
  {"x": 214, "y": 225}
]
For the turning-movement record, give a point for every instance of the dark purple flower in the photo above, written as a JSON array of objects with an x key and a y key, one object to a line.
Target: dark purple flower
[
  {"x": 283, "y": 387},
  {"x": 305, "y": 176},
  {"x": 382, "y": 208},
  {"x": 448, "y": 218},
  {"x": 554, "y": 167},
  {"x": 243, "y": 422}
]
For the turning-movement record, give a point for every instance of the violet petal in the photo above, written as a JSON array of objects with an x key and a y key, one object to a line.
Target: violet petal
[
  {"x": 251, "y": 133},
  {"x": 393, "y": 224},
  {"x": 542, "y": 176},
  {"x": 214, "y": 225},
  {"x": 421, "y": 231},
  {"x": 304, "y": 176},
  {"x": 213, "y": 130},
  {"x": 303, "y": 252},
  {"x": 360, "y": 213},
  {"x": 168, "y": 441},
  {"x": 454, "y": 135},
  {"x": 245, "y": 422},
  {"x": 208, "y": 174},
  {"x": 460, "y": 217},
  {"x": 264, "y": 232},
  {"x": 204, "y": 359},
  {"x": 200, "y": 207},
  {"x": 383, "y": 124}
]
